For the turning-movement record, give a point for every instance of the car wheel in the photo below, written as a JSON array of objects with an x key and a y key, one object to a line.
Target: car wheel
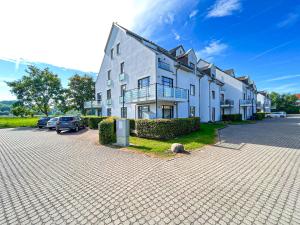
[
  {"x": 58, "y": 131},
  {"x": 40, "y": 127},
  {"x": 77, "y": 129},
  {"x": 50, "y": 128}
]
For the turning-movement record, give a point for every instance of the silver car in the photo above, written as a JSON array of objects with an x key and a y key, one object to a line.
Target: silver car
[{"x": 51, "y": 124}]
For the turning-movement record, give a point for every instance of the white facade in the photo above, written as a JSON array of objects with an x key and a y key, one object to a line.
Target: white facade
[
  {"x": 157, "y": 83},
  {"x": 263, "y": 102}
]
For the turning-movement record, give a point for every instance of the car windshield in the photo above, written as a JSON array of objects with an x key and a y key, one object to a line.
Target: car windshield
[
  {"x": 66, "y": 118},
  {"x": 54, "y": 119},
  {"x": 44, "y": 118}
]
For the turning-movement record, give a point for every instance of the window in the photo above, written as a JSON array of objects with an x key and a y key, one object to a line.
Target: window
[
  {"x": 99, "y": 112},
  {"x": 122, "y": 67},
  {"x": 192, "y": 111},
  {"x": 213, "y": 114},
  {"x": 108, "y": 111},
  {"x": 144, "y": 82},
  {"x": 99, "y": 96},
  {"x": 192, "y": 90},
  {"x": 123, "y": 89},
  {"x": 167, "y": 82},
  {"x": 108, "y": 94},
  {"x": 167, "y": 111},
  {"x": 108, "y": 74},
  {"x": 192, "y": 65},
  {"x": 141, "y": 109},
  {"x": 222, "y": 97},
  {"x": 112, "y": 53},
  {"x": 118, "y": 48},
  {"x": 124, "y": 112},
  {"x": 213, "y": 93}
]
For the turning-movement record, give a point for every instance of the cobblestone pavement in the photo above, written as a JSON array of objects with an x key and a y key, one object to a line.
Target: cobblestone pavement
[{"x": 250, "y": 177}]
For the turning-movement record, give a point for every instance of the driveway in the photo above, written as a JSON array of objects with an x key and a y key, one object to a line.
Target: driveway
[{"x": 250, "y": 177}]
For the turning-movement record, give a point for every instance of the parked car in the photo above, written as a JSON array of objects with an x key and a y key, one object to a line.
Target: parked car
[
  {"x": 42, "y": 122},
  {"x": 51, "y": 124},
  {"x": 72, "y": 123},
  {"x": 276, "y": 115}
]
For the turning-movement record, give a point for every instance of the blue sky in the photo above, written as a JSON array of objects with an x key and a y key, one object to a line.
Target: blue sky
[{"x": 256, "y": 38}]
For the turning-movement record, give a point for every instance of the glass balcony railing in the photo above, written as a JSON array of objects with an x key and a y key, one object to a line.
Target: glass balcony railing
[
  {"x": 109, "y": 82},
  {"x": 108, "y": 101},
  {"x": 227, "y": 103},
  {"x": 150, "y": 92},
  {"x": 258, "y": 105},
  {"x": 164, "y": 66},
  {"x": 92, "y": 104},
  {"x": 122, "y": 76},
  {"x": 245, "y": 102}
]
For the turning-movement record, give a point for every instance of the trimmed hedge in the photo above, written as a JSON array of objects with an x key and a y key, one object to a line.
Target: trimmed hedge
[
  {"x": 131, "y": 125},
  {"x": 232, "y": 117},
  {"x": 107, "y": 131},
  {"x": 166, "y": 128},
  {"x": 259, "y": 115},
  {"x": 93, "y": 121}
]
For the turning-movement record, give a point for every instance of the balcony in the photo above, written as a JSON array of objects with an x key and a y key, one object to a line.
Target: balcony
[
  {"x": 245, "y": 102},
  {"x": 227, "y": 103},
  {"x": 121, "y": 99},
  {"x": 109, "y": 82},
  {"x": 164, "y": 66},
  {"x": 163, "y": 93},
  {"x": 92, "y": 105},
  {"x": 121, "y": 76},
  {"x": 108, "y": 101}
]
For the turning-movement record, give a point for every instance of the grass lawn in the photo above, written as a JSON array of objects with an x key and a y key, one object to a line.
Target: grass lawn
[
  {"x": 206, "y": 135},
  {"x": 11, "y": 122},
  {"x": 240, "y": 122}
]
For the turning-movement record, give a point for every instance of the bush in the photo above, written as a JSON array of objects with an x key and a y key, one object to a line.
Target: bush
[
  {"x": 259, "y": 115},
  {"x": 232, "y": 117},
  {"x": 131, "y": 125},
  {"x": 107, "y": 131},
  {"x": 93, "y": 121},
  {"x": 166, "y": 128}
]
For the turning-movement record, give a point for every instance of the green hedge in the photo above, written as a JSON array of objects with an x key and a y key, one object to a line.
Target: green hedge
[
  {"x": 131, "y": 125},
  {"x": 166, "y": 128},
  {"x": 259, "y": 115},
  {"x": 93, "y": 121},
  {"x": 232, "y": 117},
  {"x": 107, "y": 131}
]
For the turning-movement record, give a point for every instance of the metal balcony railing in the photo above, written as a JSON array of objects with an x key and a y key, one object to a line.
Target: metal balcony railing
[
  {"x": 149, "y": 93},
  {"x": 227, "y": 103},
  {"x": 92, "y": 104}
]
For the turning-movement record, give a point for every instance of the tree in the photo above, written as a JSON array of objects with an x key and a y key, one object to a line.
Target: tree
[
  {"x": 18, "y": 109},
  {"x": 38, "y": 89},
  {"x": 81, "y": 89},
  {"x": 284, "y": 102},
  {"x": 62, "y": 101}
]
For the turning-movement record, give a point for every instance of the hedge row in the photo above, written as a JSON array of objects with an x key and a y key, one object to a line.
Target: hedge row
[
  {"x": 232, "y": 117},
  {"x": 259, "y": 115},
  {"x": 107, "y": 131},
  {"x": 93, "y": 121},
  {"x": 166, "y": 128}
]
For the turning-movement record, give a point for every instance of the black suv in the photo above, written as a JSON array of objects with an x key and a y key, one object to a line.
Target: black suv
[
  {"x": 42, "y": 122},
  {"x": 72, "y": 123}
]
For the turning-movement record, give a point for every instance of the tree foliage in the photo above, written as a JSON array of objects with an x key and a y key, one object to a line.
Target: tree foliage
[
  {"x": 81, "y": 89},
  {"x": 284, "y": 102},
  {"x": 38, "y": 88}
]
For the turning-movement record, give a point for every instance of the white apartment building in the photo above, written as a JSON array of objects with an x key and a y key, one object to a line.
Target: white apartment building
[
  {"x": 263, "y": 103},
  {"x": 139, "y": 79}
]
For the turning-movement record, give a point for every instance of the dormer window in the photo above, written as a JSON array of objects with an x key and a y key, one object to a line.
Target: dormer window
[
  {"x": 192, "y": 65},
  {"x": 112, "y": 53}
]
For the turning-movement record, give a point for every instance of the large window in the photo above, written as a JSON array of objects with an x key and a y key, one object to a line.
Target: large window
[
  {"x": 108, "y": 74},
  {"x": 144, "y": 82},
  {"x": 122, "y": 67},
  {"x": 99, "y": 96},
  {"x": 108, "y": 94},
  {"x": 123, "y": 89},
  {"x": 167, "y": 111},
  {"x": 141, "y": 109},
  {"x": 118, "y": 48},
  {"x": 112, "y": 53},
  {"x": 108, "y": 111},
  {"x": 213, "y": 93},
  {"x": 124, "y": 112},
  {"x": 192, "y": 90},
  {"x": 192, "y": 111},
  {"x": 167, "y": 81}
]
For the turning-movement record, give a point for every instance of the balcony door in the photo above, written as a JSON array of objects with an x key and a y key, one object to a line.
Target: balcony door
[
  {"x": 167, "y": 87},
  {"x": 143, "y": 87},
  {"x": 167, "y": 111}
]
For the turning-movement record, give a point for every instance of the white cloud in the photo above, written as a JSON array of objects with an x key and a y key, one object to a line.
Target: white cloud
[
  {"x": 291, "y": 19},
  {"x": 287, "y": 77},
  {"x": 214, "y": 48},
  {"x": 224, "y": 8},
  {"x": 193, "y": 13},
  {"x": 72, "y": 34},
  {"x": 176, "y": 35}
]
